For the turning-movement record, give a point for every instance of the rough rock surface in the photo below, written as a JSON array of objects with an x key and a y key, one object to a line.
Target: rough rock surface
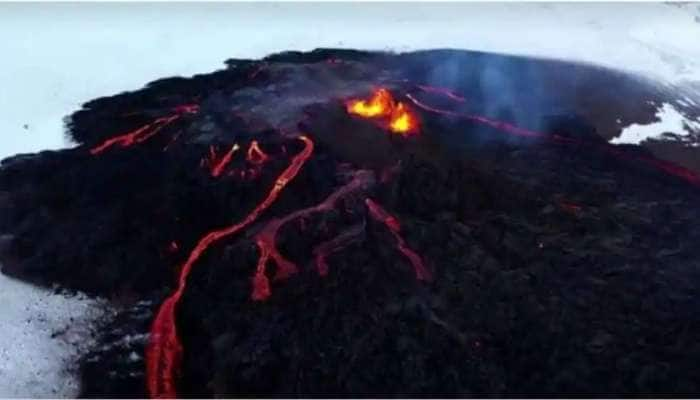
[{"x": 561, "y": 264}]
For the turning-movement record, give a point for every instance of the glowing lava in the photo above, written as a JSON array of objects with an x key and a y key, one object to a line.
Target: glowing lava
[
  {"x": 379, "y": 105},
  {"x": 267, "y": 237},
  {"x": 665, "y": 166},
  {"x": 399, "y": 118},
  {"x": 255, "y": 155},
  {"x": 217, "y": 164},
  {"x": 145, "y": 132},
  {"x": 164, "y": 351},
  {"x": 443, "y": 91},
  {"x": 381, "y": 215},
  {"x": 403, "y": 121}
]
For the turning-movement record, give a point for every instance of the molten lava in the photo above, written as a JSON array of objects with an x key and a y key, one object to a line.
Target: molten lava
[
  {"x": 255, "y": 155},
  {"x": 381, "y": 215},
  {"x": 266, "y": 239},
  {"x": 443, "y": 91},
  {"x": 665, "y": 166},
  {"x": 379, "y": 105},
  {"x": 216, "y": 164},
  {"x": 164, "y": 351},
  {"x": 402, "y": 120},
  {"x": 399, "y": 118},
  {"x": 145, "y": 132}
]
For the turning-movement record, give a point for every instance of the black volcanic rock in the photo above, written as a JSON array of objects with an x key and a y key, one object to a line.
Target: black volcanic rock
[{"x": 561, "y": 265}]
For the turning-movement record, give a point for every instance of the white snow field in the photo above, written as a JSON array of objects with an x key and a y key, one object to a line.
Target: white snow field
[
  {"x": 57, "y": 56},
  {"x": 669, "y": 119},
  {"x": 42, "y": 336}
]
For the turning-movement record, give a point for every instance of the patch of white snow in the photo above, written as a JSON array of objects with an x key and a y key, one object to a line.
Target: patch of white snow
[
  {"x": 670, "y": 120},
  {"x": 43, "y": 334}
]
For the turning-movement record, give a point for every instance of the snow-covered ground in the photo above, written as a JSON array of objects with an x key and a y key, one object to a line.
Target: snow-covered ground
[
  {"x": 57, "y": 56},
  {"x": 42, "y": 336},
  {"x": 669, "y": 120}
]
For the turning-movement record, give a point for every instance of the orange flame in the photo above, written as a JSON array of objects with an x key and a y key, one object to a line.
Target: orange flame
[{"x": 400, "y": 119}]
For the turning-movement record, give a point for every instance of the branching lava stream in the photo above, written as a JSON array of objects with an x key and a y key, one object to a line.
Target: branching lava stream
[
  {"x": 145, "y": 132},
  {"x": 164, "y": 351},
  {"x": 267, "y": 237},
  {"x": 383, "y": 216}
]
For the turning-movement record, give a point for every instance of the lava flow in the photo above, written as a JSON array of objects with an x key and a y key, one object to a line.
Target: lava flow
[
  {"x": 255, "y": 154},
  {"x": 383, "y": 216},
  {"x": 443, "y": 91},
  {"x": 217, "y": 164},
  {"x": 267, "y": 237},
  {"x": 397, "y": 116},
  {"x": 164, "y": 351},
  {"x": 145, "y": 132},
  {"x": 379, "y": 105},
  {"x": 349, "y": 236},
  {"x": 665, "y": 166}
]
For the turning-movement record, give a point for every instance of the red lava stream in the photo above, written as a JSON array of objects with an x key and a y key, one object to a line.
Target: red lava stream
[
  {"x": 665, "y": 166},
  {"x": 164, "y": 351},
  {"x": 145, "y": 132}
]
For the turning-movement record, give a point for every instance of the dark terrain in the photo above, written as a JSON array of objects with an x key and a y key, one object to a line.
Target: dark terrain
[{"x": 557, "y": 264}]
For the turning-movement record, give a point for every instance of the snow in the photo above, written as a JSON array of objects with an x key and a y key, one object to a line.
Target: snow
[
  {"x": 669, "y": 120},
  {"x": 43, "y": 334},
  {"x": 59, "y": 55}
]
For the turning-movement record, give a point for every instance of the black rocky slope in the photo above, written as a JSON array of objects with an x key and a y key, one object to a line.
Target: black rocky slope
[{"x": 561, "y": 267}]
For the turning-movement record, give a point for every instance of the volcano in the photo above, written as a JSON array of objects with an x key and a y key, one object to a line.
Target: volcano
[{"x": 349, "y": 223}]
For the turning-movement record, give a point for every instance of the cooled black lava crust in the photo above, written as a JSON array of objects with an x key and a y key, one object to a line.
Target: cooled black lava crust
[{"x": 559, "y": 269}]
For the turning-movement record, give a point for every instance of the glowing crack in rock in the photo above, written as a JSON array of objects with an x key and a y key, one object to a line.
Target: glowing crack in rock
[{"x": 164, "y": 351}]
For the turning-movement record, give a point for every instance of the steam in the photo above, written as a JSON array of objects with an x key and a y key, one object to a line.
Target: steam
[{"x": 505, "y": 88}]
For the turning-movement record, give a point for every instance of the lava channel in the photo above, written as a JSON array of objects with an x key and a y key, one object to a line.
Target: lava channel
[
  {"x": 665, "y": 166},
  {"x": 145, "y": 132},
  {"x": 443, "y": 91},
  {"x": 164, "y": 351},
  {"x": 381, "y": 215},
  {"x": 266, "y": 239},
  {"x": 218, "y": 164}
]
